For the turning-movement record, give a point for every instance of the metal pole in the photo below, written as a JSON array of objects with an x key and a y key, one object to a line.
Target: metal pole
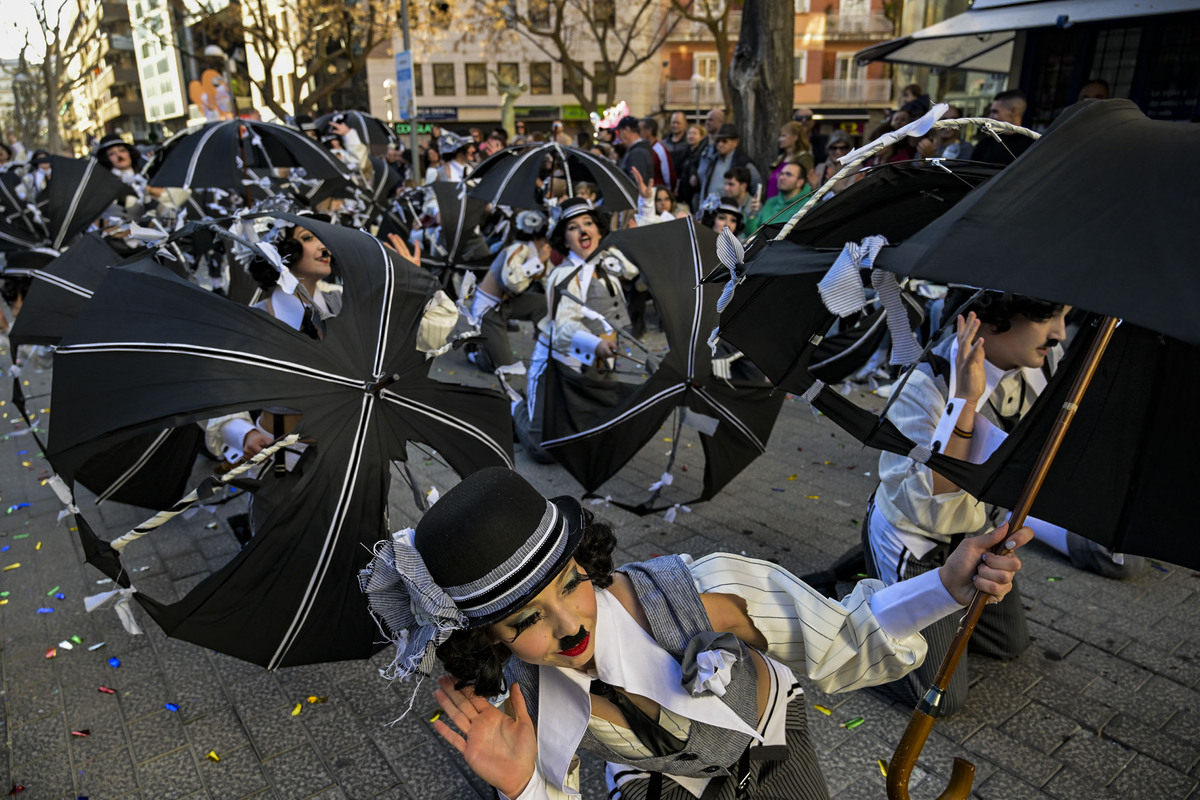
[{"x": 418, "y": 176}]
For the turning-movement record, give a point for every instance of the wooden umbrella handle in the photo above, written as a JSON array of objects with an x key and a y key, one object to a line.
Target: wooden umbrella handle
[{"x": 921, "y": 723}]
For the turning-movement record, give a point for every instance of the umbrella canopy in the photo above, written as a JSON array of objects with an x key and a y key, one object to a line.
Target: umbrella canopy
[
  {"x": 460, "y": 237},
  {"x": 735, "y": 417},
  {"x": 511, "y": 180},
  {"x": 372, "y": 131},
  {"x": 76, "y": 193},
  {"x": 184, "y": 355},
  {"x": 218, "y": 154}
]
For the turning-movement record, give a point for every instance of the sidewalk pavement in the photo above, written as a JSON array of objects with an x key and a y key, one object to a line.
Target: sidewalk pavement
[{"x": 1104, "y": 704}]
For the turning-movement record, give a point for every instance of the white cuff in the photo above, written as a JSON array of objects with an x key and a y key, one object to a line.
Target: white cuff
[
  {"x": 233, "y": 434},
  {"x": 945, "y": 426},
  {"x": 911, "y": 605},
  {"x": 534, "y": 790},
  {"x": 583, "y": 345}
]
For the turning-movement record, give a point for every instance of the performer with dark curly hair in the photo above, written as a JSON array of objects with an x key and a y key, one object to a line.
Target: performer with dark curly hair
[
  {"x": 677, "y": 672},
  {"x": 963, "y": 400}
]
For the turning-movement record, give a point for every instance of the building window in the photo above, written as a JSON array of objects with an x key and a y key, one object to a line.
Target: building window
[
  {"x": 169, "y": 108},
  {"x": 443, "y": 79},
  {"x": 148, "y": 71},
  {"x": 418, "y": 80},
  {"x": 801, "y": 6},
  {"x": 539, "y": 77},
  {"x": 800, "y": 67},
  {"x": 163, "y": 66},
  {"x": 509, "y": 72},
  {"x": 604, "y": 12},
  {"x": 539, "y": 13},
  {"x": 572, "y": 78},
  {"x": 477, "y": 79}
]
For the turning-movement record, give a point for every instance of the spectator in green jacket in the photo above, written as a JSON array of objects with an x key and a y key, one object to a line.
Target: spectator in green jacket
[{"x": 793, "y": 190}]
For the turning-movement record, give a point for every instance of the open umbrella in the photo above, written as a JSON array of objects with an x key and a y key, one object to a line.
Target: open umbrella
[
  {"x": 372, "y": 131},
  {"x": 594, "y": 428},
  {"x": 76, "y": 192},
  {"x": 168, "y": 353},
  {"x": 1071, "y": 237},
  {"x": 460, "y": 242},
  {"x": 219, "y": 154},
  {"x": 148, "y": 469},
  {"x": 512, "y": 181}
]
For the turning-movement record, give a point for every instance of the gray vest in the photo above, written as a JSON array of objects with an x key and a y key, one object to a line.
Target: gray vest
[
  {"x": 604, "y": 296},
  {"x": 673, "y": 607}
]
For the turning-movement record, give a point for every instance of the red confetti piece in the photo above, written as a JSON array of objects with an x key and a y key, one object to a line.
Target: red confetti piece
[
  {"x": 84, "y": 732},
  {"x": 106, "y": 690},
  {"x": 52, "y": 652}
]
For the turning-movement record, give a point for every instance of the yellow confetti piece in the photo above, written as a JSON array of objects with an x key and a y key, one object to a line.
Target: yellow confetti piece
[
  {"x": 26, "y": 464},
  {"x": 212, "y": 755},
  {"x": 296, "y": 711},
  {"x": 3, "y": 602},
  {"x": 668, "y": 439},
  {"x": 312, "y": 698},
  {"x": 37, "y": 546},
  {"x": 11, "y": 567},
  {"x": 882, "y": 766},
  {"x": 436, "y": 717},
  {"x": 814, "y": 497},
  {"x": 792, "y": 477},
  {"x": 824, "y": 710}
]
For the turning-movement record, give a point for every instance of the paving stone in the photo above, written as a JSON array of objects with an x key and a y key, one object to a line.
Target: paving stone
[
  {"x": 34, "y": 702},
  {"x": 431, "y": 774},
  {"x": 363, "y": 772},
  {"x": 105, "y": 732},
  {"x": 298, "y": 773},
  {"x": 1101, "y": 759},
  {"x": 1071, "y": 784},
  {"x": 276, "y": 732},
  {"x": 1091, "y": 712},
  {"x": 1179, "y": 754},
  {"x": 1003, "y": 786},
  {"x": 218, "y": 730},
  {"x": 155, "y": 734},
  {"x": 39, "y": 738},
  {"x": 333, "y": 728},
  {"x": 1114, "y": 669},
  {"x": 1012, "y": 754},
  {"x": 1053, "y": 645},
  {"x": 1039, "y": 727},
  {"x": 238, "y": 774},
  {"x": 1146, "y": 777},
  {"x": 45, "y": 778},
  {"x": 172, "y": 775},
  {"x": 256, "y": 695},
  {"x": 108, "y": 775}
]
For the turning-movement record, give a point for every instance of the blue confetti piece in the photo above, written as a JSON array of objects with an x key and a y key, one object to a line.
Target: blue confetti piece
[
  {"x": 1159, "y": 567},
  {"x": 5, "y": 548},
  {"x": 22, "y": 452},
  {"x": 171, "y": 707},
  {"x": 59, "y": 596},
  {"x": 17, "y": 507},
  {"x": 776, "y": 490},
  {"x": 45, "y": 610},
  {"x": 114, "y": 662}
]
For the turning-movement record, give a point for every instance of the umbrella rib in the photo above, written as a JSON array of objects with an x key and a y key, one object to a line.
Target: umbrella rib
[
  {"x": 732, "y": 419},
  {"x": 629, "y": 198},
  {"x": 385, "y": 310},
  {"x": 209, "y": 352},
  {"x": 129, "y": 473},
  {"x": 74, "y": 206},
  {"x": 335, "y": 529},
  {"x": 447, "y": 419},
  {"x": 649, "y": 401},
  {"x": 521, "y": 159},
  {"x": 204, "y": 137},
  {"x": 697, "y": 300},
  {"x": 61, "y": 283}
]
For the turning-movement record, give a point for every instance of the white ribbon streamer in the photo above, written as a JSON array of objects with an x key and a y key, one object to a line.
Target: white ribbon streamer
[
  {"x": 117, "y": 600},
  {"x": 841, "y": 289},
  {"x": 905, "y": 348}
]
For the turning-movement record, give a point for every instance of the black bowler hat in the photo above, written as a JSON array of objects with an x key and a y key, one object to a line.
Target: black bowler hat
[
  {"x": 492, "y": 542},
  {"x": 569, "y": 209},
  {"x": 727, "y": 131}
]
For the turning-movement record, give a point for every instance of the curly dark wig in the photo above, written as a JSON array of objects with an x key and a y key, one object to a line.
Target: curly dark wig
[
  {"x": 290, "y": 250},
  {"x": 998, "y": 308},
  {"x": 475, "y": 660},
  {"x": 558, "y": 237}
]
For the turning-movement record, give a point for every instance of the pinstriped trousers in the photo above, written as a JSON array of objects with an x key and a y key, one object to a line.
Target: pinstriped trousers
[{"x": 1000, "y": 633}]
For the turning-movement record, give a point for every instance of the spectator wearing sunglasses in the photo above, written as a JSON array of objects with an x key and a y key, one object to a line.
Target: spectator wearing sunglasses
[{"x": 837, "y": 146}]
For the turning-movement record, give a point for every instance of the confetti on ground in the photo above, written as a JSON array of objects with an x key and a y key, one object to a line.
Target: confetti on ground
[
  {"x": 312, "y": 698},
  {"x": 824, "y": 710},
  {"x": 17, "y": 507},
  {"x": 212, "y": 756},
  {"x": 76, "y": 640},
  {"x": 103, "y": 581},
  {"x": 296, "y": 711},
  {"x": 3, "y": 602},
  {"x": 773, "y": 489},
  {"x": 52, "y": 591},
  {"x": 96, "y": 646},
  {"x": 51, "y": 653},
  {"x": 37, "y": 546},
  {"x": 16, "y": 789},
  {"x": 171, "y": 707},
  {"x": 59, "y": 596},
  {"x": 851, "y": 724},
  {"x": 793, "y": 477},
  {"x": 813, "y": 496},
  {"x": 83, "y": 733},
  {"x": 212, "y": 526},
  {"x": 66, "y": 645},
  {"x": 140, "y": 569},
  {"x": 882, "y": 766},
  {"x": 45, "y": 611},
  {"x": 1054, "y": 579},
  {"x": 1159, "y": 567},
  {"x": 106, "y": 690},
  {"x": 5, "y": 548},
  {"x": 114, "y": 662},
  {"x": 436, "y": 717},
  {"x": 5, "y": 594},
  {"x": 22, "y": 535}
]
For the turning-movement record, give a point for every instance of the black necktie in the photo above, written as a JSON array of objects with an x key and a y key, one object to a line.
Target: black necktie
[{"x": 648, "y": 732}]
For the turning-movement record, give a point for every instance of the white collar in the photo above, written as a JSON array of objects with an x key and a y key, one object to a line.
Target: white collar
[
  {"x": 628, "y": 657},
  {"x": 1034, "y": 376},
  {"x": 289, "y": 309}
]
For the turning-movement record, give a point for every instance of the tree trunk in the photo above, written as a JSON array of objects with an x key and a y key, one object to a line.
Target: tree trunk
[{"x": 760, "y": 78}]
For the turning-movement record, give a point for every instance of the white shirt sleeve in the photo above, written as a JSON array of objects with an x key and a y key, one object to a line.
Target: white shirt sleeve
[
  {"x": 226, "y": 435},
  {"x": 539, "y": 789},
  {"x": 841, "y": 646}
]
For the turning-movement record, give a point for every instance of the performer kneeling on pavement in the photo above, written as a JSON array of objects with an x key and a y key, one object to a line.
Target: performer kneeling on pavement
[
  {"x": 586, "y": 310},
  {"x": 677, "y": 672},
  {"x": 1006, "y": 349}
]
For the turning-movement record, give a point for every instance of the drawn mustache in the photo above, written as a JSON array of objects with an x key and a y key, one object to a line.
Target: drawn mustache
[{"x": 574, "y": 640}]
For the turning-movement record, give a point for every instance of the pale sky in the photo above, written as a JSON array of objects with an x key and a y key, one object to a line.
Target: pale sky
[{"x": 19, "y": 17}]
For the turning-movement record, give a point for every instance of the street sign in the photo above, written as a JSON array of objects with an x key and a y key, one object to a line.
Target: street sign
[{"x": 405, "y": 98}]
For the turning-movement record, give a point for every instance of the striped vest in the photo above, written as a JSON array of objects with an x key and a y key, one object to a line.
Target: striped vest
[{"x": 673, "y": 607}]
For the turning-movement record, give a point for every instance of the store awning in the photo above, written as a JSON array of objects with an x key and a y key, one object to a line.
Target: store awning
[{"x": 982, "y": 38}]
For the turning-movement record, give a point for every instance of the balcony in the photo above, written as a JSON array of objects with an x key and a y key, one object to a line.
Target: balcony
[
  {"x": 688, "y": 31},
  {"x": 116, "y": 107},
  {"x": 683, "y": 94},
  {"x": 113, "y": 74},
  {"x": 873, "y": 92},
  {"x": 872, "y": 26}
]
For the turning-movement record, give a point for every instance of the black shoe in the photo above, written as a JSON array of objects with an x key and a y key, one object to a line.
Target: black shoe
[{"x": 240, "y": 524}]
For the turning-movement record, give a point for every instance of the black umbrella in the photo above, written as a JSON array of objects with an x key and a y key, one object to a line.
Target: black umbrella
[
  {"x": 460, "y": 241},
  {"x": 221, "y": 154},
  {"x": 512, "y": 181},
  {"x": 594, "y": 427},
  {"x": 168, "y": 353},
  {"x": 76, "y": 192},
  {"x": 148, "y": 469},
  {"x": 372, "y": 131}
]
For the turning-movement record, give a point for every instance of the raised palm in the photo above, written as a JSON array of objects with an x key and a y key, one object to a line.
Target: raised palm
[{"x": 500, "y": 749}]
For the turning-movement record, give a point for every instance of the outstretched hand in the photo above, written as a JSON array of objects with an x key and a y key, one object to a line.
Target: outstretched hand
[
  {"x": 973, "y": 566},
  {"x": 500, "y": 749},
  {"x": 644, "y": 189},
  {"x": 397, "y": 243},
  {"x": 968, "y": 363}
]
